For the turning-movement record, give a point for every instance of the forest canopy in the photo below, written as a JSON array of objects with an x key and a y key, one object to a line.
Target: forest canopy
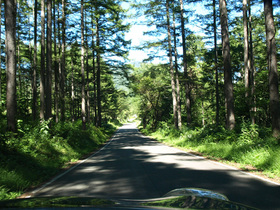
[{"x": 66, "y": 61}]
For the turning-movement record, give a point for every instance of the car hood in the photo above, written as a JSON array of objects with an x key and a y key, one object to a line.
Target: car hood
[{"x": 192, "y": 198}]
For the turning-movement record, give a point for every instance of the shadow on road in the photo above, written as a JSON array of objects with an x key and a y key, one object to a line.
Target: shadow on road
[{"x": 133, "y": 166}]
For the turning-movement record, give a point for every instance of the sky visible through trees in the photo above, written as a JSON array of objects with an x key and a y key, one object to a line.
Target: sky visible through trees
[{"x": 88, "y": 46}]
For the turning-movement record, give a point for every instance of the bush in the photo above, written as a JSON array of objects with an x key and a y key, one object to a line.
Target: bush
[
  {"x": 41, "y": 151},
  {"x": 249, "y": 145}
]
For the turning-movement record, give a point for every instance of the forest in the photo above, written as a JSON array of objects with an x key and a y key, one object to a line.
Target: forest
[{"x": 66, "y": 81}]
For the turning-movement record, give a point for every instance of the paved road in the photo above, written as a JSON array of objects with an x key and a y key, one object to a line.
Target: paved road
[{"x": 134, "y": 166}]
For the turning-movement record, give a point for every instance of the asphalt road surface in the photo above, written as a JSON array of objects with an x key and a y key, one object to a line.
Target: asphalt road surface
[{"x": 134, "y": 166}]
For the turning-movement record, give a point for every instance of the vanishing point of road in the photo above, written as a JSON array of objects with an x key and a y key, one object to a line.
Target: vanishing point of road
[{"x": 133, "y": 166}]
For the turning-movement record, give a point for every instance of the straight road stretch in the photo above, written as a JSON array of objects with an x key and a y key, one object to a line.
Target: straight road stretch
[{"x": 133, "y": 166}]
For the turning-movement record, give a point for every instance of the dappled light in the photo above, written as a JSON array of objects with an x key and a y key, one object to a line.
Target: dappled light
[{"x": 134, "y": 166}]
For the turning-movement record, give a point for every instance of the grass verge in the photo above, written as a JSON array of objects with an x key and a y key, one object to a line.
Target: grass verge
[
  {"x": 39, "y": 152},
  {"x": 249, "y": 147}
]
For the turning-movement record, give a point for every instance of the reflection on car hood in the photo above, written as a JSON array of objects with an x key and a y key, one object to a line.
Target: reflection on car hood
[{"x": 176, "y": 199}]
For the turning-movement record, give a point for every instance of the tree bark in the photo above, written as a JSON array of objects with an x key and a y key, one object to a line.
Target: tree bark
[
  {"x": 216, "y": 65},
  {"x": 230, "y": 117},
  {"x": 94, "y": 77},
  {"x": 42, "y": 74},
  {"x": 187, "y": 81},
  {"x": 10, "y": 28},
  {"x": 63, "y": 57},
  {"x": 177, "y": 75},
  {"x": 83, "y": 107},
  {"x": 246, "y": 52},
  {"x": 98, "y": 72},
  {"x": 34, "y": 78},
  {"x": 272, "y": 67},
  {"x": 49, "y": 62},
  {"x": 171, "y": 67},
  {"x": 72, "y": 92},
  {"x": 253, "y": 109},
  {"x": 56, "y": 63},
  {"x": 0, "y": 56}
]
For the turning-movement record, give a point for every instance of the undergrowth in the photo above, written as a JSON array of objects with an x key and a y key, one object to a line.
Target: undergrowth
[
  {"x": 248, "y": 145},
  {"x": 39, "y": 152}
]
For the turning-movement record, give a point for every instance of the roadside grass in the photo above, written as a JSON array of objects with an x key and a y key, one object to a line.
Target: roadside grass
[
  {"x": 39, "y": 152},
  {"x": 250, "y": 146}
]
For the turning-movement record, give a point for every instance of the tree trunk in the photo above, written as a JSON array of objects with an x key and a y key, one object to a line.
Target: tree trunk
[
  {"x": 98, "y": 72},
  {"x": 56, "y": 67},
  {"x": 246, "y": 52},
  {"x": 88, "y": 91},
  {"x": 177, "y": 75},
  {"x": 62, "y": 81},
  {"x": 83, "y": 107},
  {"x": 252, "y": 70},
  {"x": 94, "y": 77},
  {"x": 10, "y": 28},
  {"x": 272, "y": 67},
  {"x": 34, "y": 78},
  {"x": 216, "y": 65},
  {"x": 42, "y": 74},
  {"x": 174, "y": 99},
  {"x": 187, "y": 81},
  {"x": 49, "y": 62},
  {"x": 0, "y": 56},
  {"x": 230, "y": 118},
  {"x": 72, "y": 92}
]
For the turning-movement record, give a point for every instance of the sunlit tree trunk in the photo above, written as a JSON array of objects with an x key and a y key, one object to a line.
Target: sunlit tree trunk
[
  {"x": 246, "y": 51},
  {"x": 10, "y": 29},
  {"x": 42, "y": 73},
  {"x": 272, "y": 67},
  {"x": 174, "y": 99},
  {"x": 94, "y": 77},
  {"x": 72, "y": 92},
  {"x": 83, "y": 107},
  {"x": 230, "y": 117},
  {"x": 177, "y": 75},
  {"x": 88, "y": 91}
]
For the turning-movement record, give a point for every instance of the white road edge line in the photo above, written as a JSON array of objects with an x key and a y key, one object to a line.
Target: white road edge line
[{"x": 73, "y": 167}]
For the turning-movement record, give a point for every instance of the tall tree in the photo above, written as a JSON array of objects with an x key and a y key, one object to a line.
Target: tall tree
[
  {"x": 42, "y": 73},
  {"x": 98, "y": 72},
  {"x": 229, "y": 100},
  {"x": 0, "y": 54},
  {"x": 34, "y": 78},
  {"x": 252, "y": 67},
  {"x": 63, "y": 57},
  {"x": 246, "y": 51},
  {"x": 49, "y": 61},
  {"x": 83, "y": 107},
  {"x": 216, "y": 65},
  {"x": 187, "y": 80},
  {"x": 10, "y": 26},
  {"x": 56, "y": 67},
  {"x": 173, "y": 84},
  {"x": 272, "y": 67},
  {"x": 177, "y": 74}
]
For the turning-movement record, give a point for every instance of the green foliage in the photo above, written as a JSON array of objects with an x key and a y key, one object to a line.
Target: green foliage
[
  {"x": 41, "y": 151},
  {"x": 247, "y": 145}
]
